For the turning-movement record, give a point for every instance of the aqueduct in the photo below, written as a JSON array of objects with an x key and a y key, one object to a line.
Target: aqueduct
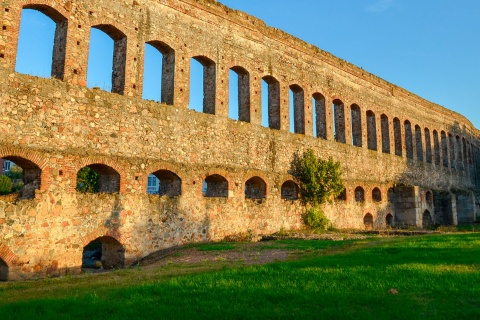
[{"x": 406, "y": 161}]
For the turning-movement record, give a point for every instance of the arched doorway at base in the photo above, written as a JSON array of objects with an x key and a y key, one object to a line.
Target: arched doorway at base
[{"x": 103, "y": 253}]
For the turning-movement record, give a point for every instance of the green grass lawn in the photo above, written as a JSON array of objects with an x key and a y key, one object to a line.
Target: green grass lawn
[{"x": 436, "y": 276}]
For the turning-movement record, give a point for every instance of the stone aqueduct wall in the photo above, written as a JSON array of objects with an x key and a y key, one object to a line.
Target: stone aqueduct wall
[{"x": 400, "y": 149}]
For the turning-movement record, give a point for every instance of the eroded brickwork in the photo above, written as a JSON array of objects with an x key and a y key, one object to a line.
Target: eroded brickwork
[{"x": 54, "y": 127}]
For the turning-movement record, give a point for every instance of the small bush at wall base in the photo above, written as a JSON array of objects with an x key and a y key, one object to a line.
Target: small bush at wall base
[
  {"x": 316, "y": 219},
  {"x": 5, "y": 185}
]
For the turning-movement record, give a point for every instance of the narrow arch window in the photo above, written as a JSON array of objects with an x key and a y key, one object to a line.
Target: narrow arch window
[
  {"x": 385, "y": 134},
  {"x": 41, "y": 24},
  {"x": 371, "y": 130},
  {"x": 427, "y": 220},
  {"x": 270, "y": 102},
  {"x": 98, "y": 178},
  {"x": 239, "y": 94},
  {"x": 3, "y": 271},
  {"x": 389, "y": 220},
  {"x": 255, "y": 188},
  {"x": 216, "y": 186},
  {"x": 359, "y": 194},
  {"x": 356, "y": 125},
  {"x": 459, "y": 152},
  {"x": 106, "y": 42},
  {"x": 297, "y": 109},
  {"x": 465, "y": 161},
  {"x": 164, "y": 183},
  {"x": 391, "y": 195},
  {"x": 103, "y": 253},
  {"x": 290, "y": 190},
  {"x": 451, "y": 144},
  {"x": 159, "y": 72},
  {"x": 436, "y": 148},
  {"x": 408, "y": 139},
  {"x": 24, "y": 176},
  {"x": 444, "y": 149},
  {"x": 397, "y": 134},
  {"x": 368, "y": 221},
  {"x": 320, "y": 115},
  {"x": 338, "y": 121},
  {"x": 418, "y": 143},
  {"x": 428, "y": 146},
  {"x": 202, "y": 84},
  {"x": 376, "y": 195}
]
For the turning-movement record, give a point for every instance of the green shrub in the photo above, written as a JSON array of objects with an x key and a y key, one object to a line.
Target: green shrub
[
  {"x": 316, "y": 219},
  {"x": 5, "y": 185},
  {"x": 87, "y": 180}
]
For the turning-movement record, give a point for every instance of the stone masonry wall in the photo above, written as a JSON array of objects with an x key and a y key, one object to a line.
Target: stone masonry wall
[{"x": 60, "y": 126}]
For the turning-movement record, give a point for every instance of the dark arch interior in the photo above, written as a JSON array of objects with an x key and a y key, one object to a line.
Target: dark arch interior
[
  {"x": 376, "y": 195},
  {"x": 427, "y": 219},
  {"x": 31, "y": 176},
  {"x": 368, "y": 221},
  {"x": 103, "y": 253},
  {"x": 359, "y": 194},
  {"x": 255, "y": 188},
  {"x": 289, "y": 190},
  {"x": 343, "y": 195},
  {"x": 216, "y": 186},
  {"x": 169, "y": 184},
  {"x": 429, "y": 198},
  {"x": 97, "y": 178},
  {"x": 3, "y": 271},
  {"x": 389, "y": 220}
]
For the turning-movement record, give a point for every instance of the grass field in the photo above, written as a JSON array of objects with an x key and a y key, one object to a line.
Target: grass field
[{"x": 436, "y": 277}]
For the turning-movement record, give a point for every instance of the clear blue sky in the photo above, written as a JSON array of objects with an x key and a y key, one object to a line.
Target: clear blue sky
[{"x": 429, "y": 47}]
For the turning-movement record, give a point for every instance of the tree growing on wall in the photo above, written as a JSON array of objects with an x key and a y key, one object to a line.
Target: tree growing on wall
[
  {"x": 87, "y": 180},
  {"x": 319, "y": 180}
]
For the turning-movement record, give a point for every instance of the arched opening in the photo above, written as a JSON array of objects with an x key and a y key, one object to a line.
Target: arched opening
[
  {"x": 239, "y": 94},
  {"x": 397, "y": 135},
  {"x": 297, "y": 109},
  {"x": 428, "y": 146},
  {"x": 290, "y": 190},
  {"x": 215, "y": 186},
  {"x": 436, "y": 148},
  {"x": 451, "y": 143},
  {"x": 3, "y": 271},
  {"x": 24, "y": 177},
  {"x": 389, "y": 220},
  {"x": 270, "y": 102},
  {"x": 98, "y": 178},
  {"x": 385, "y": 134},
  {"x": 107, "y": 58},
  {"x": 376, "y": 195},
  {"x": 103, "y": 253},
  {"x": 427, "y": 219},
  {"x": 41, "y": 24},
  {"x": 255, "y": 188},
  {"x": 342, "y": 196},
  {"x": 202, "y": 84},
  {"x": 338, "y": 121},
  {"x": 444, "y": 149},
  {"x": 429, "y": 198},
  {"x": 368, "y": 221},
  {"x": 371, "y": 130},
  {"x": 320, "y": 116},
  {"x": 391, "y": 195},
  {"x": 164, "y": 183},
  {"x": 359, "y": 194},
  {"x": 356, "y": 116},
  {"x": 418, "y": 143},
  {"x": 408, "y": 139},
  {"x": 158, "y": 72},
  {"x": 459, "y": 152}
]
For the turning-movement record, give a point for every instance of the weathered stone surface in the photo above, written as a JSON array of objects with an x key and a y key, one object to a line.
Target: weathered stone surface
[{"x": 386, "y": 137}]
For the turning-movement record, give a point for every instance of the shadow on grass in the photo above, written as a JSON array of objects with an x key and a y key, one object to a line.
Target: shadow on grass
[{"x": 434, "y": 275}]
